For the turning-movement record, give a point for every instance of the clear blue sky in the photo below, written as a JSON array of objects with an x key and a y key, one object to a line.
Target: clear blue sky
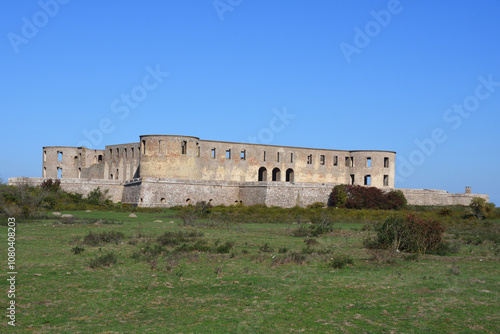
[{"x": 421, "y": 78}]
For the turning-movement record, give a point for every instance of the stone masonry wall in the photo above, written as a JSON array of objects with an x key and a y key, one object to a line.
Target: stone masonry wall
[
  {"x": 79, "y": 186},
  {"x": 439, "y": 197},
  {"x": 162, "y": 192}
]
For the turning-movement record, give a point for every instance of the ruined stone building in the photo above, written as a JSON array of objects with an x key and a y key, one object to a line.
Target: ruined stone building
[{"x": 166, "y": 170}]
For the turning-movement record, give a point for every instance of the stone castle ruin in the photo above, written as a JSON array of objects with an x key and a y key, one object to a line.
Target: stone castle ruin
[{"x": 166, "y": 170}]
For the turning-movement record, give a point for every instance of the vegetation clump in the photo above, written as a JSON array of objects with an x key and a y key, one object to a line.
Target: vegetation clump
[
  {"x": 105, "y": 260},
  {"x": 407, "y": 233},
  {"x": 359, "y": 197},
  {"x": 95, "y": 239}
]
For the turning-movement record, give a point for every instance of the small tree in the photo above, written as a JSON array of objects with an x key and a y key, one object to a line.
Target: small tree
[
  {"x": 98, "y": 197},
  {"x": 480, "y": 208}
]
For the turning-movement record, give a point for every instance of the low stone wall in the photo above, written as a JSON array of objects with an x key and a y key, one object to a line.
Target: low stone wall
[
  {"x": 285, "y": 194},
  {"x": 162, "y": 192},
  {"x": 79, "y": 186},
  {"x": 438, "y": 197}
]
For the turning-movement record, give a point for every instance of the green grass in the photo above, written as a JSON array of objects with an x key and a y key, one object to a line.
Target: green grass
[{"x": 245, "y": 290}]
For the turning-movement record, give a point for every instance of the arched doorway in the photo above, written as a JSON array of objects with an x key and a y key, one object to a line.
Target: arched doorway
[{"x": 289, "y": 175}]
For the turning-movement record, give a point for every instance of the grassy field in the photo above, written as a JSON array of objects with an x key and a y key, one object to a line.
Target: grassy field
[{"x": 242, "y": 278}]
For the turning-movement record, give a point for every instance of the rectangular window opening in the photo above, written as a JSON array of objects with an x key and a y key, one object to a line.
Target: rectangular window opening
[
  {"x": 368, "y": 162},
  {"x": 386, "y": 180},
  {"x": 335, "y": 160},
  {"x": 198, "y": 151},
  {"x": 309, "y": 159},
  {"x": 213, "y": 153},
  {"x": 264, "y": 158},
  {"x": 322, "y": 159},
  {"x": 228, "y": 154},
  {"x": 278, "y": 157},
  {"x": 386, "y": 162},
  {"x": 59, "y": 173},
  {"x": 291, "y": 158},
  {"x": 243, "y": 155},
  {"x": 184, "y": 147},
  {"x": 368, "y": 180},
  {"x": 44, "y": 155},
  {"x": 59, "y": 156},
  {"x": 352, "y": 179}
]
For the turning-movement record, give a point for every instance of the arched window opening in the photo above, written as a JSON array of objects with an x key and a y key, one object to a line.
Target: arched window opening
[
  {"x": 289, "y": 175},
  {"x": 276, "y": 174},
  {"x": 262, "y": 174}
]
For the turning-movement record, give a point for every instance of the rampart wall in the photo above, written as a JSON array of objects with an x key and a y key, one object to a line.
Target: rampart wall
[
  {"x": 439, "y": 197},
  {"x": 79, "y": 186}
]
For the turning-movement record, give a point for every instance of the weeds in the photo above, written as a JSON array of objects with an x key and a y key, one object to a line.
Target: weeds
[
  {"x": 77, "y": 250},
  {"x": 339, "y": 261},
  {"x": 103, "y": 261},
  {"x": 95, "y": 239}
]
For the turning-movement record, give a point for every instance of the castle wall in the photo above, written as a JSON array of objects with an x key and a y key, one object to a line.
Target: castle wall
[
  {"x": 439, "y": 197},
  {"x": 158, "y": 192},
  {"x": 166, "y": 170},
  {"x": 70, "y": 162},
  {"x": 79, "y": 186},
  {"x": 185, "y": 157},
  {"x": 122, "y": 162}
]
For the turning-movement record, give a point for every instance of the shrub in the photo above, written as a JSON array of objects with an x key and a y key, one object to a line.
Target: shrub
[
  {"x": 265, "y": 248},
  {"x": 103, "y": 261},
  {"x": 98, "y": 197},
  {"x": 339, "y": 261},
  {"x": 480, "y": 208},
  {"x": 94, "y": 239},
  {"x": 310, "y": 241},
  {"x": 360, "y": 197},
  {"x": 224, "y": 248},
  {"x": 77, "y": 250},
  {"x": 407, "y": 233},
  {"x": 291, "y": 257},
  {"x": 176, "y": 238},
  {"x": 316, "y": 205},
  {"x": 50, "y": 185}
]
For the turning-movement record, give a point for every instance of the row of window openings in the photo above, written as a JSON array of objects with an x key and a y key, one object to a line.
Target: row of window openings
[
  {"x": 276, "y": 174},
  {"x": 125, "y": 154},
  {"x": 349, "y": 161},
  {"x": 60, "y": 156},
  {"x": 59, "y": 172},
  {"x": 368, "y": 180}
]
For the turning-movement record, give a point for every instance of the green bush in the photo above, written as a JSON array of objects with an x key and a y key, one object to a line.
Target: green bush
[
  {"x": 176, "y": 238},
  {"x": 480, "y": 208},
  {"x": 360, "y": 197},
  {"x": 77, "y": 250},
  {"x": 407, "y": 233},
  {"x": 103, "y": 261},
  {"x": 95, "y": 239},
  {"x": 339, "y": 261}
]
